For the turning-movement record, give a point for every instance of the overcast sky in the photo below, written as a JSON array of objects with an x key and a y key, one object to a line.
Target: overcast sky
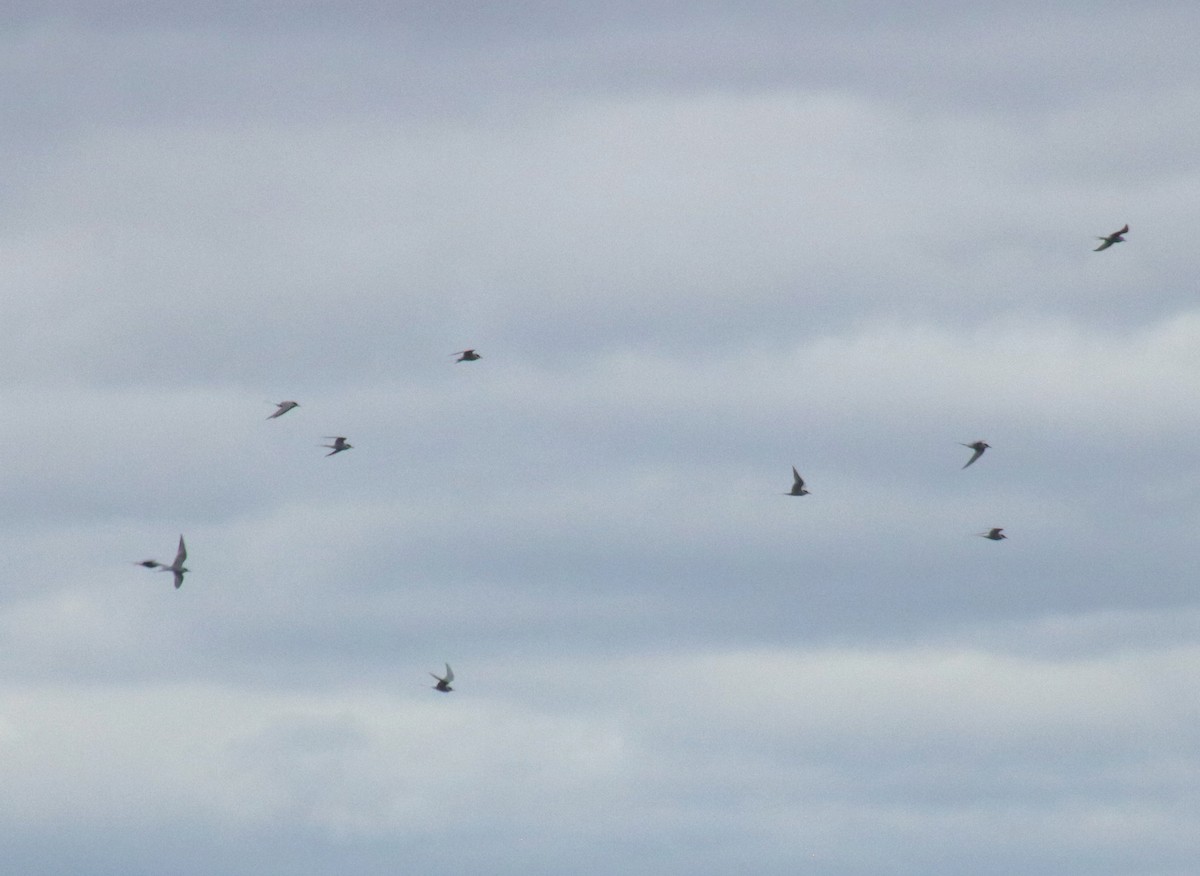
[{"x": 696, "y": 244}]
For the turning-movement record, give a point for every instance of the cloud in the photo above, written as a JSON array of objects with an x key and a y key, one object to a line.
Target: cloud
[{"x": 695, "y": 249}]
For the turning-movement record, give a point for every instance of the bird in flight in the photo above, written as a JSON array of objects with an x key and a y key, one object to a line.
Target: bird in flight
[
  {"x": 978, "y": 447},
  {"x": 443, "y": 684},
  {"x": 1115, "y": 237},
  {"x": 175, "y": 568},
  {"x": 284, "y": 407},
  {"x": 339, "y": 444},
  {"x": 995, "y": 534},
  {"x": 797, "y": 484},
  {"x": 465, "y": 356}
]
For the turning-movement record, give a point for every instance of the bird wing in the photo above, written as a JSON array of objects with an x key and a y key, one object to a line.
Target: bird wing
[
  {"x": 799, "y": 481},
  {"x": 1107, "y": 243},
  {"x": 996, "y": 531},
  {"x": 1124, "y": 230},
  {"x": 449, "y": 674},
  {"x": 181, "y": 554},
  {"x": 178, "y": 580},
  {"x": 974, "y": 456}
]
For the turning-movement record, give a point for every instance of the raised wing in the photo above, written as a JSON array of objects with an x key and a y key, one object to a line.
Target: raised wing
[
  {"x": 180, "y": 555},
  {"x": 449, "y": 674}
]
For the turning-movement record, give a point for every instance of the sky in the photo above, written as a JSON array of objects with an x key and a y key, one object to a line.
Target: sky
[{"x": 695, "y": 245}]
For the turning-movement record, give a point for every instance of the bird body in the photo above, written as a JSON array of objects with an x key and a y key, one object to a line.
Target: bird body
[
  {"x": 443, "y": 683},
  {"x": 797, "y": 484},
  {"x": 339, "y": 444},
  {"x": 995, "y": 534},
  {"x": 1115, "y": 237},
  {"x": 284, "y": 407},
  {"x": 465, "y": 356},
  {"x": 176, "y": 567},
  {"x": 978, "y": 447}
]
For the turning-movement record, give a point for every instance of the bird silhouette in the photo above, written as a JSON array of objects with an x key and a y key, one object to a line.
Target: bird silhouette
[
  {"x": 978, "y": 447},
  {"x": 797, "y": 484},
  {"x": 443, "y": 684},
  {"x": 339, "y": 444},
  {"x": 995, "y": 534},
  {"x": 465, "y": 356},
  {"x": 1115, "y": 237},
  {"x": 176, "y": 567},
  {"x": 284, "y": 407}
]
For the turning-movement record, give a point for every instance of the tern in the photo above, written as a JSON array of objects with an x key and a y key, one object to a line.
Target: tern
[
  {"x": 175, "y": 568},
  {"x": 339, "y": 444},
  {"x": 443, "y": 684},
  {"x": 466, "y": 356},
  {"x": 1115, "y": 237},
  {"x": 797, "y": 484},
  {"x": 978, "y": 447},
  {"x": 995, "y": 534},
  {"x": 284, "y": 407}
]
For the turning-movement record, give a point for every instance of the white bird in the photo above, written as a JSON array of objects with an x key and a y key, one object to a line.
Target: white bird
[
  {"x": 995, "y": 534},
  {"x": 978, "y": 447},
  {"x": 443, "y": 684},
  {"x": 284, "y": 407},
  {"x": 339, "y": 444},
  {"x": 465, "y": 356},
  {"x": 797, "y": 484},
  {"x": 176, "y": 567},
  {"x": 1115, "y": 237}
]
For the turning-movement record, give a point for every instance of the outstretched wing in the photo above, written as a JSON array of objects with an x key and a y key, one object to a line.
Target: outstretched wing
[
  {"x": 1107, "y": 243},
  {"x": 181, "y": 554},
  {"x": 449, "y": 674},
  {"x": 974, "y": 456},
  {"x": 178, "y": 580}
]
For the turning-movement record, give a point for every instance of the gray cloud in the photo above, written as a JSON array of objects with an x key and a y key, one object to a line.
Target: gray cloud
[{"x": 695, "y": 248}]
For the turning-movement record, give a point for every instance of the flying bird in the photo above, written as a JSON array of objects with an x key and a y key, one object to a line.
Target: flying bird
[
  {"x": 995, "y": 534},
  {"x": 466, "y": 356},
  {"x": 797, "y": 484},
  {"x": 978, "y": 447},
  {"x": 339, "y": 444},
  {"x": 176, "y": 567},
  {"x": 443, "y": 684},
  {"x": 284, "y": 407},
  {"x": 1115, "y": 237}
]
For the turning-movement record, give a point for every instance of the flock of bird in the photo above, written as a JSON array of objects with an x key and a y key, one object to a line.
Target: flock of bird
[
  {"x": 178, "y": 570},
  {"x": 995, "y": 533},
  {"x": 799, "y": 488}
]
